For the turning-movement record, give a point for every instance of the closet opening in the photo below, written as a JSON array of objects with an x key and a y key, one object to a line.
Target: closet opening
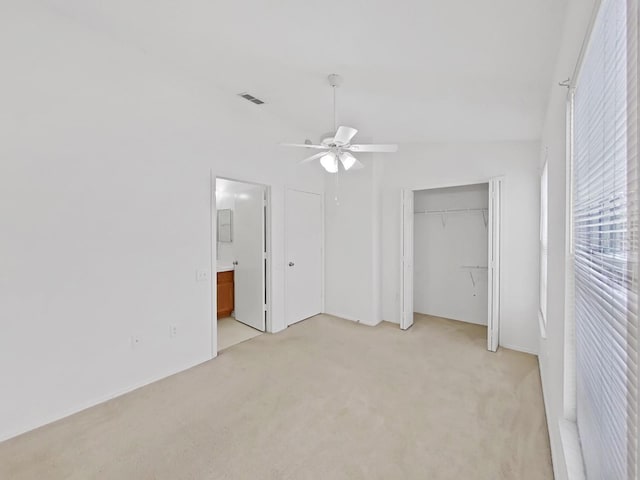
[{"x": 451, "y": 256}]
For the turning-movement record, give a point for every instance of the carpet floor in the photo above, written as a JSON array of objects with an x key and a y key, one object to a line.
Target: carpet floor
[{"x": 325, "y": 399}]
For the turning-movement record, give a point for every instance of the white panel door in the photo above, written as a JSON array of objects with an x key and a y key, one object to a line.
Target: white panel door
[
  {"x": 494, "y": 227},
  {"x": 303, "y": 233},
  {"x": 406, "y": 278},
  {"x": 249, "y": 250}
]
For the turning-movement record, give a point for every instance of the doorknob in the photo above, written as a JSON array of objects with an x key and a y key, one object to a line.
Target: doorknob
[
  {"x": 291, "y": 264},
  {"x": 235, "y": 262}
]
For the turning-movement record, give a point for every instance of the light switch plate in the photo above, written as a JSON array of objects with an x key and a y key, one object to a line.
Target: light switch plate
[{"x": 202, "y": 275}]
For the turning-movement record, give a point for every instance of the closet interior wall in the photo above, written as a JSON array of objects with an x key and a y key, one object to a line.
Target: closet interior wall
[{"x": 451, "y": 252}]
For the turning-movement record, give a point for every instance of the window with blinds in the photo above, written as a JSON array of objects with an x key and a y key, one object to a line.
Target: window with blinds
[{"x": 605, "y": 243}]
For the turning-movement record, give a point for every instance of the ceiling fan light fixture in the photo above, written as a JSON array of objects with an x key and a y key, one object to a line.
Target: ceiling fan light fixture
[
  {"x": 329, "y": 162},
  {"x": 336, "y": 147},
  {"x": 347, "y": 160}
]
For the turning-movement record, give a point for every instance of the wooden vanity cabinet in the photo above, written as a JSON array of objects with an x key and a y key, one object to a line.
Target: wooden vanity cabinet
[{"x": 225, "y": 294}]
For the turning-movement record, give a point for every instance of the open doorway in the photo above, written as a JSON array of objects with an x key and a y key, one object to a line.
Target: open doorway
[
  {"x": 241, "y": 261},
  {"x": 451, "y": 255}
]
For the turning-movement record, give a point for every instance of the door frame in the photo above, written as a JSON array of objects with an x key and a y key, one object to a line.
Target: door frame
[
  {"x": 494, "y": 254},
  {"x": 214, "y": 252},
  {"x": 288, "y": 188},
  {"x": 406, "y": 232}
]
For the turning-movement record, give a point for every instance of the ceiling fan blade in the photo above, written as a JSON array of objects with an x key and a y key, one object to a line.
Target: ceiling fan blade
[
  {"x": 372, "y": 148},
  {"x": 318, "y": 147},
  {"x": 311, "y": 158},
  {"x": 344, "y": 135}
]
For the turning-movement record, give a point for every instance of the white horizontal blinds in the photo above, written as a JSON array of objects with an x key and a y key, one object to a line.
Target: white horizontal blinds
[
  {"x": 633, "y": 218},
  {"x": 605, "y": 252},
  {"x": 543, "y": 241}
]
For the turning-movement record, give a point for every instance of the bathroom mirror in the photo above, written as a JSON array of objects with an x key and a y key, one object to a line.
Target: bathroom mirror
[{"x": 225, "y": 225}]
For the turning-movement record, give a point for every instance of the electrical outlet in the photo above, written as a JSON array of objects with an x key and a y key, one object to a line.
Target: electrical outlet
[
  {"x": 173, "y": 331},
  {"x": 135, "y": 341},
  {"x": 202, "y": 275}
]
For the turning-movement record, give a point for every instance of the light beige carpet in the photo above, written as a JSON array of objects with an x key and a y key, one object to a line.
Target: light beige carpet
[
  {"x": 325, "y": 399},
  {"x": 231, "y": 332}
]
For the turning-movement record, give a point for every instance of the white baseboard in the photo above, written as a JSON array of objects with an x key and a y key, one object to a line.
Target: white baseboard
[
  {"x": 352, "y": 319},
  {"x": 519, "y": 349},
  {"x": 571, "y": 450}
]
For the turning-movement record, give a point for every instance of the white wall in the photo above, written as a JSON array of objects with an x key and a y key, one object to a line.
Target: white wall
[
  {"x": 553, "y": 147},
  {"x": 352, "y": 223},
  {"x": 363, "y": 232},
  {"x": 105, "y": 207},
  {"x": 443, "y": 244},
  {"x": 420, "y": 166}
]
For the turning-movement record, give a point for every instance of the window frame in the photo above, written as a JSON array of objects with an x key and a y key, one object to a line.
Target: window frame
[{"x": 544, "y": 248}]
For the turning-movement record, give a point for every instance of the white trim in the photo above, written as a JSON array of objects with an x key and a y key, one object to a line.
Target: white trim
[
  {"x": 543, "y": 252},
  {"x": 585, "y": 44},
  {"x": 268, "y": 267},
  {"x": 354, "y": 320},
  {"x": 401, "y": 258},
  {"x": 268, "y": 246},
  {"x": 460, "y": 183},
  {"x": 323, "y": 265},
  {"x": 542, "y": 325},
  {"x": 570, "y": 441},
  {"x": 569, "y": 389},
  {"x": 213, "y": 282},
  {"x": 518, "y": 348}
]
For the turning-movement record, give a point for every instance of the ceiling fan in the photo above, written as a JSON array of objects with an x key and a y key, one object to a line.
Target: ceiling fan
[{"x": 338, "y": 149}]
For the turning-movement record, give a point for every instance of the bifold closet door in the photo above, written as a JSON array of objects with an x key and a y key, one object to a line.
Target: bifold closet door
[
  {"x": 406, "y": 277},
  {"x": 303, "y": 268},
  {"x": 494, "y": 226}
]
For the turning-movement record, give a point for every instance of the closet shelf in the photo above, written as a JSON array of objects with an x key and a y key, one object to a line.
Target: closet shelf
[
  {"x": 454, "y": 210},
  {"x": 443, "y": 213}
]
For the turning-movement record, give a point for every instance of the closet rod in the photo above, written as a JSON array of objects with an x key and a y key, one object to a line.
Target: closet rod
[{"x": 455, "y": 210}]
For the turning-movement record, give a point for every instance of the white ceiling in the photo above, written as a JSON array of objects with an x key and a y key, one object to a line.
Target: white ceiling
[{"x": 414, "y": 70}]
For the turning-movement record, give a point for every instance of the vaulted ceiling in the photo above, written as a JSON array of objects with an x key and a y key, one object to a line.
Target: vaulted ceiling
[{"x": 414, "y": 70}]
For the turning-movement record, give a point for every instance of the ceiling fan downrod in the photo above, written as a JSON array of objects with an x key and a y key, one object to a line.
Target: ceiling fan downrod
[
  {"x": 337, "y": 151},
  {"x": 335, "y": 80}
]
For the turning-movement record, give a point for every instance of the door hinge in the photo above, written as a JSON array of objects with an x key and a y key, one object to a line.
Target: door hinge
[{"x": 265, "y": 307}]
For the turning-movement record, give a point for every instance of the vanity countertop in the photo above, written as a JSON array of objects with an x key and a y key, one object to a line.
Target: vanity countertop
[{"x": 224, "y": 267}]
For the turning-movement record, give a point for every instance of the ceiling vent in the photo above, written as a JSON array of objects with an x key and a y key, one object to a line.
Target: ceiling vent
[{"x": 251, "y": 98}]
